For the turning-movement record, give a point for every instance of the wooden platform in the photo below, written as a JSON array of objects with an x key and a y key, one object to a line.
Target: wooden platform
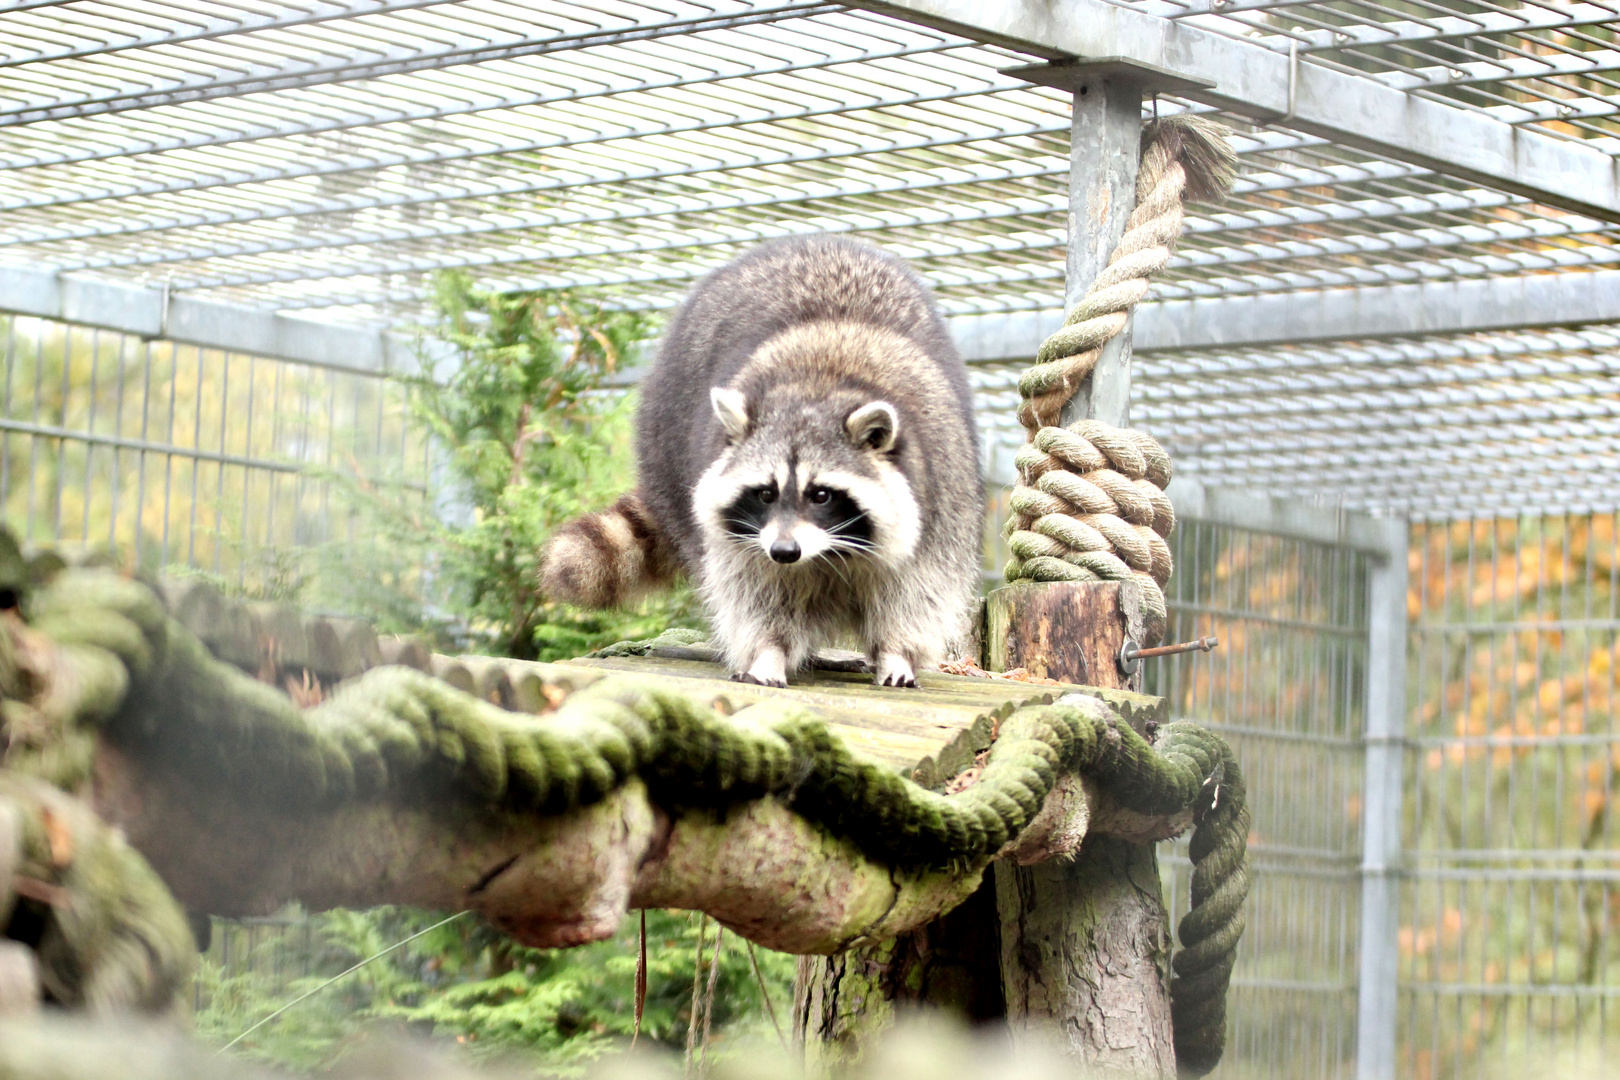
[{"x": 930, "y": 733}]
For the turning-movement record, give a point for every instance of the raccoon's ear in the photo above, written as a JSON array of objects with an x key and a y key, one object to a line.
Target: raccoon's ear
[
  {"x": 875, "y": 425},
  {"x": 732, "y": 409}
]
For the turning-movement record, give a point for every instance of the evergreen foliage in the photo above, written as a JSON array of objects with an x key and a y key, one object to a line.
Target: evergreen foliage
[
  {"x": 555, "y": 1009},
  {"x": 529, "y": 434}
]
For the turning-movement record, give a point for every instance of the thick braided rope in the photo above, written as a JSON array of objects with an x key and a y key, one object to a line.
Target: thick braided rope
[
  {"x": 1090, "y": 502},
  {"x": 1210, "y": 930},
  {"x": 1090, "y": 505}
]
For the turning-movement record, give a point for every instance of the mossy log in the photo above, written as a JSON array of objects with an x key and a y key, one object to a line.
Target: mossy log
[{"x": 629, "y": 791}]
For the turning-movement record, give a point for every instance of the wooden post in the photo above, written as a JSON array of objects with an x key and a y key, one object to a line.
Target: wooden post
[
  {"x": 1085, "y": 945},
  {"x": 841, "y": 1003}
]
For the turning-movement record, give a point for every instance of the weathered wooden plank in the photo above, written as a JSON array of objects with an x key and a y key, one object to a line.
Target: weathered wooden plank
[{"x": 932, "y": 732}]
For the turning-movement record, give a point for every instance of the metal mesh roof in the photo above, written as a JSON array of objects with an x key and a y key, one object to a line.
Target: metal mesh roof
[
  {"x": 1547, "y": 65},
  {"x": 325, "y": 157}
]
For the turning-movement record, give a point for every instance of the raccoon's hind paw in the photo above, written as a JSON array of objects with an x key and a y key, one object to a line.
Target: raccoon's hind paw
[
  {"x": 749, "y": 677},
  {"x": 894, "y": 671}
]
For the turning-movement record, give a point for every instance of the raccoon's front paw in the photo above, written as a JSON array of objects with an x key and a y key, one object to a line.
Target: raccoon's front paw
[
  {"x": 768, "y": 669},
  {"x": 750, "y": 677},
  {"x": 893, "y": 670}
]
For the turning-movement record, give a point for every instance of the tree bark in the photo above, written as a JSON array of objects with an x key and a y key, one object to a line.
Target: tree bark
[
  {"x": 1085, "y": 945},
  {"x": 1080, "y": 947},
  {"x": 952, "y": 964},
  {"x": 1086, "y": 955}
]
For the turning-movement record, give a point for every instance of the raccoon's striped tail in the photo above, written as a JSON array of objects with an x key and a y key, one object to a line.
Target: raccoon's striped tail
[{"x": 609, "y": 558}]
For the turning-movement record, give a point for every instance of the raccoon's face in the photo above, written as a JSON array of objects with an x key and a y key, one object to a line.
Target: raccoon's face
[{"x": 808, "y": 479}]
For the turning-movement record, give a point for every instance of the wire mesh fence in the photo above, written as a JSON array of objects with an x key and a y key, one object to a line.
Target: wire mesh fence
[
  {"x": 1286, "y": 687},
  {"x": 174, "y": 454},
  {"x": 1512, "y": 898}
]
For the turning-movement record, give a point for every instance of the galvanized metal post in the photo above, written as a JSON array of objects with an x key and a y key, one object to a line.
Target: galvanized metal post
[
  {"x": 1381, "y": 829},
  {"x": 1104, "y": 152},
  {"x": 1105, "y": 148}
]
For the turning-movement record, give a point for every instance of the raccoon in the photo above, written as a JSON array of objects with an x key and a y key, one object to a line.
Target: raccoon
[{"x": 807, "y": 453}]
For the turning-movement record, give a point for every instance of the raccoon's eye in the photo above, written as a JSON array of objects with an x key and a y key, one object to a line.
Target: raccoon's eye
[
  {"x": 818, "y": 495},
  {"x": 766, "y": 494}
]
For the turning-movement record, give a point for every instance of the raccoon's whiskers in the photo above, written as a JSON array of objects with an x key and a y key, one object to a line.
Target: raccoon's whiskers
[
  {"x": 852, "y": 544},
  {"x": 841, "y": 542}
]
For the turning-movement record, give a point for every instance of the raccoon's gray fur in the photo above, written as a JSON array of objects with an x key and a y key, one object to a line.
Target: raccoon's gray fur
[{"x": 807, "y": 450}]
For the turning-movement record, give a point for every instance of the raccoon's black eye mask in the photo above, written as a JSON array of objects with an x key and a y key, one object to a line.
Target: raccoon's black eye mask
[
  {"x": 843, "y": 518},
  {"x": 829, "y": 509},
  {"x": 746, "y": 516}
]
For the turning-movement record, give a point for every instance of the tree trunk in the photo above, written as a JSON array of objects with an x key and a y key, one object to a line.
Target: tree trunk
[
  {"x": 1080, "y": 947},
  {"x": 1085, "y": 945},
  {"x": 1086, "y": 955},
  {"x": 952, "y": 964}
]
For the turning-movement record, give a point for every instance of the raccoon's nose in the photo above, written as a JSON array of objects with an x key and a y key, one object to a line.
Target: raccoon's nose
[{"x": 785, "y": 551}]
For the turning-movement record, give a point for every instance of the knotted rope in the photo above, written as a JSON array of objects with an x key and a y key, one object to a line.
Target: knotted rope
[{"x": 1090, "y": 502}]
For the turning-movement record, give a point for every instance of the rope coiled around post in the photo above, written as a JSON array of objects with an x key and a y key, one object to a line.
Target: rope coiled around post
[{"x": 1090, "y": 502}]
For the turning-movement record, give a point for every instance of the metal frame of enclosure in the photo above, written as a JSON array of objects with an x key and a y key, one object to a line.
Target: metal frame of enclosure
[{"x": 1388, "y": 369}]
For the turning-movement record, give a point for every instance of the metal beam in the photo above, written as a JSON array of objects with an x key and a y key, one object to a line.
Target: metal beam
[
  {"x": 1252, "y": 80},
  {"x": 1104, "y": 145},
  {"x": 1440, "y": 307},
  {"x": 1512, "y": 354},
  {"x": 156, "y": 313},
  {"x": 1454, "y": 307},
  {"x": 1378, "y": 996},
  {"x": 1276, "y": 517}
]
